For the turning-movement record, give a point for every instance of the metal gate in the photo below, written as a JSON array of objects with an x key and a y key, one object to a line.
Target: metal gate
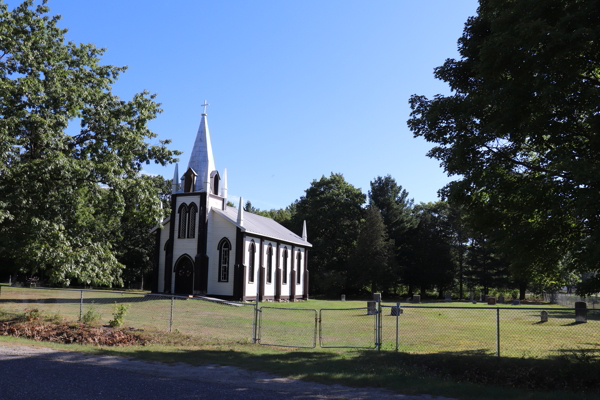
[
  {"x": 348, "y": 328},
  {"x": 287, "y": 327}
]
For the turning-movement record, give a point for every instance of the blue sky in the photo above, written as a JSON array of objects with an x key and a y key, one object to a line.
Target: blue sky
[{"x": 299, "y": 89}]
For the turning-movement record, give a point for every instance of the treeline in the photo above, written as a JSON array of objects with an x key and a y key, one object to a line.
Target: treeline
[{"x": 383, "y": 242}]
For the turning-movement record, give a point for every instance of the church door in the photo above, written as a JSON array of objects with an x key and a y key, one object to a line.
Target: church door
[{"x": 184, "y": 276}]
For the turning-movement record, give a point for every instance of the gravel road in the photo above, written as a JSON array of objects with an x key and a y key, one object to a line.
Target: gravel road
[{"x": 42, "y": 373}]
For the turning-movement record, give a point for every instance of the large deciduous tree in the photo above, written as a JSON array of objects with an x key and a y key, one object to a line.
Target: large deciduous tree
[
  {"x": 62, "y": 193},
  {"x": 522, "y": 129},
  {"x": 333, "y": 210}
]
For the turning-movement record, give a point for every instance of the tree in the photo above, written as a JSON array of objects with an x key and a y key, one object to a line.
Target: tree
[
  {"x": 427, "y": 259},
  {"x": 133, "y": 245},
  {"x": 333, "y": 211},
  {"x": 373, "y": 261},
  {"x": 521, "y": 129},
  {"x": 63, "y": 195}
]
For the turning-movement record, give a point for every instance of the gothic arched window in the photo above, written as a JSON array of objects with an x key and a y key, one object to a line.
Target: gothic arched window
[
  {"x": 252, "y": 251},
  {"x": 224, "y": 248},
  {"x": 284, "y": 271},
  {"x": 269, "y": 263},
  {"x": 193, "y": 210},
  {"x": 183, "y": 214},
  {"x": 298, "y": 266}
]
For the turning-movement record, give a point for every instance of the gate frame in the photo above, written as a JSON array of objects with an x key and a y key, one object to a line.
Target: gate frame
[
  {"x": 375, "y": 322},
  {"x": 260, "y": 323}
]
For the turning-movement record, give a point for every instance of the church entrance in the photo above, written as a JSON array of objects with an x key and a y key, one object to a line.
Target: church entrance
[{"x": 184, "y": 276}]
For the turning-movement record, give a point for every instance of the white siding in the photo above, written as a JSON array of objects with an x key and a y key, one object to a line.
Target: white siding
[
  {"x": 164, "y": 236},
  {"x": 214, "y": 202},
  {"x": 218, "y": 228},
  {"x": 184, "y": 245},
  {"x": 270, "y": 287}
]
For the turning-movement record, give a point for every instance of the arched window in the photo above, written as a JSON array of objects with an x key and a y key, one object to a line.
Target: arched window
[
  {"x": 298, "y": 266},
  {"x": 269, "y": 263},
  {"x": 284, "y": 271},
  {"x": 183, "y": 213},
  {"x": 224, "y": 248},
  {"x": 193, "y": 210},
  {"x": 252, "y": 251}
]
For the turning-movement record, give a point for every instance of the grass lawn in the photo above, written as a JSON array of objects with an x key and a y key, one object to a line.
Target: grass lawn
[{"x": 433, "y": 327}]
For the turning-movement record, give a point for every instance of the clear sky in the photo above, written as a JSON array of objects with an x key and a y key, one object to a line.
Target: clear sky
[{"x": 298, "y": 89}]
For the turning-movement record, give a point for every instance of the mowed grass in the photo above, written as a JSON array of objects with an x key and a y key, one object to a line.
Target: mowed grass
[{"x": 436, "y": 327}]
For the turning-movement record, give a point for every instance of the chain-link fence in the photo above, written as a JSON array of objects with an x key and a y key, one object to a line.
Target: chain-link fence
[
  {"x": 569, "y": 300},
  {"x": 348, "y": 328},
  {"x": 288, "y": 327},
  {"x": 503, "y": 331},
  {"x": 215, "y": 320}
]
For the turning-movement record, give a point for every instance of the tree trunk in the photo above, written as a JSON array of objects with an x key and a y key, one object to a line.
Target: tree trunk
[
  {"x": 410, "y": 291},
  {"x": 522, "y": 289}
]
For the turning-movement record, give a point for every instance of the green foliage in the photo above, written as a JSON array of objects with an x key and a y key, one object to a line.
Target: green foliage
[
  {"x": 32, "y": 314},
  {"x": 333, "y": 212},
  {"x": 521, "y": 130},
  {"x": 426, "y": 257},
  {"x": 119, "y": 315},
  {"x": 91, "y": 315},
  {"x": 62, "y": 195},
  {"x": 373, "y": 261}
]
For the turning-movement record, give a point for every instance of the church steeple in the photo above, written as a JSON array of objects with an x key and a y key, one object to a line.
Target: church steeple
[{"x": 202, "y": 160}]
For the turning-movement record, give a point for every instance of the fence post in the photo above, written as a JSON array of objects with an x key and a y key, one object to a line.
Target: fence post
[
  {"x": 171, "y": 314},
  {"x": 254, "y": 322},
  {"x": 378, "y": 326},
  {"x": 397, "y": 326},
  {"x": 81, "y": 306},
  {"x": 498, "y": 332}
]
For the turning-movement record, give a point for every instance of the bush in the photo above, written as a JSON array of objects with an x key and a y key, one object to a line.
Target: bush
[
  {"x": 91, "y": 315},
  {"x": 119, "y": 315}
]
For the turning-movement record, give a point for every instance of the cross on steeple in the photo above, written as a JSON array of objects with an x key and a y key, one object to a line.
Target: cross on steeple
[{"x": 204, "y": 105}]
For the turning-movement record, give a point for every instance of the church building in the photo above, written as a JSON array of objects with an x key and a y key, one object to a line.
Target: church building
[{"x": 207, "y": 248}]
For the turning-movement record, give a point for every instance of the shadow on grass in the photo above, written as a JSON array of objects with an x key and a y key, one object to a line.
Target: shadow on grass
[{"x": 435, "y": 374}]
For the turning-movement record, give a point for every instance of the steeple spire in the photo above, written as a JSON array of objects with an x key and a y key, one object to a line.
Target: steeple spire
[
  {"x": 304, "y": 236},
  {"x": 202, "y": 160},
  {"x": 224, "y": 188},
  {"x": 240, "y": 218},
  {"x": 175, "y": 181}
]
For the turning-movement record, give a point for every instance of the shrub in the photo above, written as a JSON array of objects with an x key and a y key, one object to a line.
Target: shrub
[
  {"x": 91, "y": 315},
  {"x": 32, "y": 314},
  {"x": 119, "y": 315}
]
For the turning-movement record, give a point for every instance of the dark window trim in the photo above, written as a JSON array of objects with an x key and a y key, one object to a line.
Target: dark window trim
[
  {"x": 269, "y": 269},
  {"x": 222, "y": 242},
  {"x": 298, "y": 267},
  {"x": 183, "y": 216},
  {"x": 251, "y": 261},
  {"x": 284, "y": 269},
  {"x": 191, "y": 226}
]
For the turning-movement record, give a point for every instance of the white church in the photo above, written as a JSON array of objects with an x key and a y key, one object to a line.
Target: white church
[{"x": 208, "y": 248}]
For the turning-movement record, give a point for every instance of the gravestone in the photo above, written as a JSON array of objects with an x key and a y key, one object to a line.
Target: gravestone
[
  {"x": 371, "y": 307},
  {"x": 480, "y": 297},
  {"x": 343, "y": 297},
  {"x": 544, "y": 316},
  {"x": 397, "y": 311},
  {"x": 580, "y": 312},
  {"x": 491, "y": 301},
  {"x": 516, "y": 302},
  {"x": 473, "y": 299},
  {"x": 416, "y": 298},
  {"x": 448, "y": 296},
  {"x": 377, "y": 297},
  {"x": 501, "y": 299}
]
